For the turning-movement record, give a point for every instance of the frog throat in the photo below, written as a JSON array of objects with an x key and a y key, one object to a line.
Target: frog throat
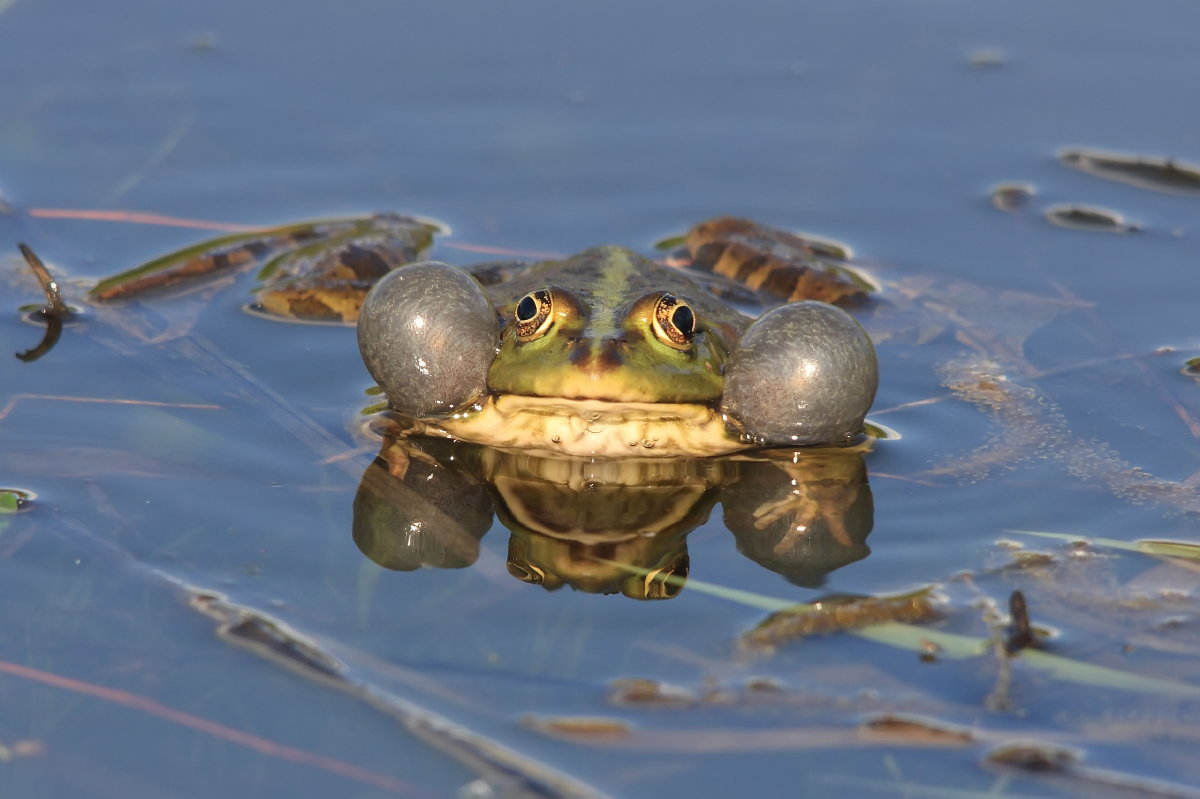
[{"x": 592, "y": 428}]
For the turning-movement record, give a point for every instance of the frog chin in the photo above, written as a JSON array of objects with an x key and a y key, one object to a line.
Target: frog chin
[{"x": 595, "y": 428}]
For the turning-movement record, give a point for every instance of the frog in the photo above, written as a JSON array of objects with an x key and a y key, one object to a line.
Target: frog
[{"x": 604, "y": 354}]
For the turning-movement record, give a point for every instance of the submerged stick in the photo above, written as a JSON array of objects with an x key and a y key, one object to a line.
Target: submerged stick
[{"x": 1020, "y": 633}]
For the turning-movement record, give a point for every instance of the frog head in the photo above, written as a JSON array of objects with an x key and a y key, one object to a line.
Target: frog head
[{"x": 599, "y": 333}]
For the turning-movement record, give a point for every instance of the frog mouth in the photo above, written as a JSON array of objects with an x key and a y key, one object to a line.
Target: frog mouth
[{"x": 592, "y": 427}]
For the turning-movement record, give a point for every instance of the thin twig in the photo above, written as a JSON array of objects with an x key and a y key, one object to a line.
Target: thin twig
[
  {"x": 54, "y": 312},
  {"x": 54, "y": 301}
]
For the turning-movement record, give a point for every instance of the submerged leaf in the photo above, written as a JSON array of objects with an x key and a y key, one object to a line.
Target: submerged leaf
[{"x": 840, "y": 614}]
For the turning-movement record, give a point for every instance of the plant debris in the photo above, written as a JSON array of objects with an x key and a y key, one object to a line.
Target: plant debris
[
  {"x": 1090, "y": 218},
  {"x": 837, "y": 614},
  {"x": 1020, "y": 632},
  {"x": 1148, "y": 172},
  {"x": 913, "y": 730},
  {"x": 1012, "y": 196},
  {"x": 54, "y": 313}
]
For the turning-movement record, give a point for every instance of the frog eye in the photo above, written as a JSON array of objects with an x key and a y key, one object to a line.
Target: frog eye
[
  {"x": 532, "y": 315},
  {"x": 674, "y": 322}
]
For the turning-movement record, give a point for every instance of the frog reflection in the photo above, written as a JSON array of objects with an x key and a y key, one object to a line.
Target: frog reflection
[{"x": 606, "y": 526}]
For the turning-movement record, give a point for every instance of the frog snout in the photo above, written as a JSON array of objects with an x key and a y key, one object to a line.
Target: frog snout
[{"x": 597, "y": 356}]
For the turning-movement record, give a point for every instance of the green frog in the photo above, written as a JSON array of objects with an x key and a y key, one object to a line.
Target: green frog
[{"x": 604, "y": 354}]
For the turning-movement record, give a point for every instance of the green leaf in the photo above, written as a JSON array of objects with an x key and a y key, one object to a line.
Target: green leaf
[
  {"x": 10, "y": 501},
  {"x": 1146, "y": 546},
  {"x": 671, "y": 242}
]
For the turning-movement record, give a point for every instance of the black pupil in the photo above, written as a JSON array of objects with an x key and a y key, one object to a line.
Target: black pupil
[
  {"x": 527, "y": 308},
  {"x": 683, "y": 319}
]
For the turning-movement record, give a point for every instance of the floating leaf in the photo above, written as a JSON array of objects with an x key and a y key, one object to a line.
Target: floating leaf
[
  {"x": 1147, "y": 172},
  {"x": 14, "y": 500},
  {"x": 1011, "y": 196},
  {"x": 1089, "y": 217},
  {"x": 1034, "y": 756},
  {"x": 902, "y": 729},
  {"x": 671, "y": 243},
  {"x": 578, "y": 727}
]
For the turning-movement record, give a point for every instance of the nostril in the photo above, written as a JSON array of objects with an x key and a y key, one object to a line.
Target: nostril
[
  {"x": 611, "y": 353},
  {"x": 615, "y": 344}
]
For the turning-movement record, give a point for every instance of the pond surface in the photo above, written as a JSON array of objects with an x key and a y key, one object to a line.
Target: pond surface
[{"x": 188, "y": 611}]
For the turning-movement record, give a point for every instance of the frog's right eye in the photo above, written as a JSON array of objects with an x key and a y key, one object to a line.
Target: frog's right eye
[
  {"x": 533, "y": 314},
  {"x": 674, "y": 322}
]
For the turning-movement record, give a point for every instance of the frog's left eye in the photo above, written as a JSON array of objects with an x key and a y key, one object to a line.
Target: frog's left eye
[
  {"x": 533, "y": 314},
  {"x": 674, "y": 322}
]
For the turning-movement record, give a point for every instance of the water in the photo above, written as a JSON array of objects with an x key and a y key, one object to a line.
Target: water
[{"x": 551, "y": 127}]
